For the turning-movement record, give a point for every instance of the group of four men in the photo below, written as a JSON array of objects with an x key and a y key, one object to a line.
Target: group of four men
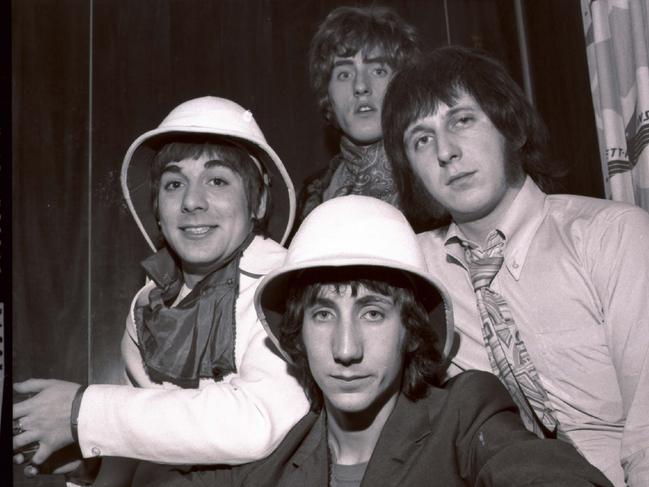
[{"x": 547, "y": 292}]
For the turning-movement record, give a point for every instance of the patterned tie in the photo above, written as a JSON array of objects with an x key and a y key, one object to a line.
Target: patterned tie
[{"x": 506, "y": 350}]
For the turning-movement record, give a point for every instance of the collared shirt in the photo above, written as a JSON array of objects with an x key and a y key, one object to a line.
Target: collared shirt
[{"x": 576, "y": 278}]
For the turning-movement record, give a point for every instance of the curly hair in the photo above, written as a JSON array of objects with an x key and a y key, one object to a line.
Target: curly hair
[
  {"x": 421, "y": 358},
  {"x": 234, "y": 157},
  {"x": 441, "y": 77},
  {"x": 348, "y": 30}
]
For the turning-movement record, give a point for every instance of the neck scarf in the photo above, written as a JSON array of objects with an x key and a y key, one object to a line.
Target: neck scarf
[
  {"x": 364, "y": 169},
  {"x": 196, "y": 338}
]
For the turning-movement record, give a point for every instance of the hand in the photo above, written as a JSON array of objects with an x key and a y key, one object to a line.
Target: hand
[{"x": 45, "y": 417}]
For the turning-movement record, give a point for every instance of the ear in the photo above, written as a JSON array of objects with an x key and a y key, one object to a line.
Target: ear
[{"x": 260, "y": 212}]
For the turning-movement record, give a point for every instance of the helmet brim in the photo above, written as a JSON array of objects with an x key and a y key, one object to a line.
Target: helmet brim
[{"x": 271, "y": 295}]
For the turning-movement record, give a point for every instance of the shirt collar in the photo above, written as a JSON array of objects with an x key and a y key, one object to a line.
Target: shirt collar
[{"x": 519, "y": 226}]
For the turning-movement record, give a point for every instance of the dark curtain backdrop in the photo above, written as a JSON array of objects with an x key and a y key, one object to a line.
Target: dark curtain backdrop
[{"x": 90, "y": 76}]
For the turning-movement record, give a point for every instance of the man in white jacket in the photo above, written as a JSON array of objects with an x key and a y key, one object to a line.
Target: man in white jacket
[{"x": 213, "y": 388}]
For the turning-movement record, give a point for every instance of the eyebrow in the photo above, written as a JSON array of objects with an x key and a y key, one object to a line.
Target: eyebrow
[
  {"x": 376, "y": 59},
  {"x": 172, "y": 168},
  {"x": 370, "y": 60},
  {"x": 362, "y": 301},
  {"x": 176, "y": 169},
  {"x": 375, "y": 298},
  {"x": 421, "y": 127}
]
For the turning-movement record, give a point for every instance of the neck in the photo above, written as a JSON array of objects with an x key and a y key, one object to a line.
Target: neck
[
  {"x": 351, "y": 143},
  {"x": 193, "y": 274},
  {"x": 353, "y": 436},
  {"x": 477, "y": 229},
  {"x": 192, "y": 277}
]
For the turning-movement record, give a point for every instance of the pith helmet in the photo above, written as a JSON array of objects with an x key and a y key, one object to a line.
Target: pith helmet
[
  {"x": 214, "y": 116},
  {"x": 354, "y": 231}
]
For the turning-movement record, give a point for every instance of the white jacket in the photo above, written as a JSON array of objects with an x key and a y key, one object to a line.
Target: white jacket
[{"x": 237, "y": 420}]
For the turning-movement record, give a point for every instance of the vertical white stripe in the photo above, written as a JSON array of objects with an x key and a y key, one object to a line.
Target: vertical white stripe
[
  {"x": 89, "y": 318},
  {"x": 524, "y": 51}
]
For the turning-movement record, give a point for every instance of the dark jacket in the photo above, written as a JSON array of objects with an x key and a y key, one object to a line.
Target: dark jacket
[{"x": 466, "y": 433}]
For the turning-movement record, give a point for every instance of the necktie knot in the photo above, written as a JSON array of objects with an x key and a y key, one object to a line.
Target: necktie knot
[{"x": 484, "y": 265}]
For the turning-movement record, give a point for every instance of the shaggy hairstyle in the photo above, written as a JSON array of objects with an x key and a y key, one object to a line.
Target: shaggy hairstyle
[
  {"x": 421, "y": 359},
  {"x": 348, "y": 30},
  {"x": 233, "y": 156},
  {"x": 442, "y": 76}
]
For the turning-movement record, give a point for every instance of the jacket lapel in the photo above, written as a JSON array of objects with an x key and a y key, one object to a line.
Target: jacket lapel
[
  {"x": 400, "y": 440},
  {"x": 310, "y": 465}
]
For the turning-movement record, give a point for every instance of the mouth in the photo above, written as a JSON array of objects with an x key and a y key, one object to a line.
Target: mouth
[
  {"x": 197, "y": 230},
  {"x": 365, "y": 108},
  {"x": 460, "y": 177},
  {"x": 349, "y": 378}
]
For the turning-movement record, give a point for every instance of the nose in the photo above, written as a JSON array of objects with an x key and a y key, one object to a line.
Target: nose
[
  {"x": 362, "y": 84},
  {"x": 194, "y": 199},
  {"x": 347, "y": 343},
  {"x": 448, "y": 149}
]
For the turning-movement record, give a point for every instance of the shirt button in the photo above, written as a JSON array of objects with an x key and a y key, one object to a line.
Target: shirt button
[
  {"x": 515, "y": 265},
  {"x": 95, "y": 451}
]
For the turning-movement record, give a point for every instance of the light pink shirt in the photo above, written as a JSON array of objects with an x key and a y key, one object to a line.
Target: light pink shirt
[{"x": 576, "y": 277}]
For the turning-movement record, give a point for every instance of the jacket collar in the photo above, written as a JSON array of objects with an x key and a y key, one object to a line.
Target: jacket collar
[
  {"x": 409, "y": 423},
  {"x": 402, "y": 435}
]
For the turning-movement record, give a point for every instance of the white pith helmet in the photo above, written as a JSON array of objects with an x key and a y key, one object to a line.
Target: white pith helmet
[
  {"x": 208, "y": 115},
  {"x": 354, "y": 231}
]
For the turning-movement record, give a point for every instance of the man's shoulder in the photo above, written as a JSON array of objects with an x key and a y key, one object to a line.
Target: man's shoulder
[
  {"x": 472, "y": 384},
  {"x": 468, "y": 395},
  {"x": 432, "y": 244},
  {"x": 469, "y": 387},
  {"x": 433, "y": 239},
  {"x": 586, "y": 207},
  {"x": 142, "y": 296},
  {"x": 318, "y": 180},
  {"x": 262, "y": 256},
  {"x": 313, "y": 188}
]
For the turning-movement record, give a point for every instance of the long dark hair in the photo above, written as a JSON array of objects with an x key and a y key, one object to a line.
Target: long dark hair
[
  {"x": 441, "y": 77},
  {"x": 421, "y": 359}
]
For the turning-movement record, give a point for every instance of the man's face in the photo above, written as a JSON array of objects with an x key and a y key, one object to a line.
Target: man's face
[
  {"x": 460, "y": 157},
  {"x": 354, "y": 346},
  {"x": 356, "y": 90},
  {"x": 203, "y": 212}
]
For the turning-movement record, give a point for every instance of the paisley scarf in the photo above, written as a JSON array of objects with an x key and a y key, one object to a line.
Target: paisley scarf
[
  {"x": 356, "y": 169},
  {"x": 364, "y": 169}
]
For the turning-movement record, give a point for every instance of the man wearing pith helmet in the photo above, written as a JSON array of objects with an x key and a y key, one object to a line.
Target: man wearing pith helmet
[
  {"x": 353, "y": 308},
  {"x": 201, "y": 188}
]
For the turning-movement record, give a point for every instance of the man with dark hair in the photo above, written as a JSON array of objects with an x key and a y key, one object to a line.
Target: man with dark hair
[
  {"x": 352, "y": 58},
  {"x": 353, "y": 311},
  {"x": 199, "y": 188},
  {"x": 550, "y": 291}
]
